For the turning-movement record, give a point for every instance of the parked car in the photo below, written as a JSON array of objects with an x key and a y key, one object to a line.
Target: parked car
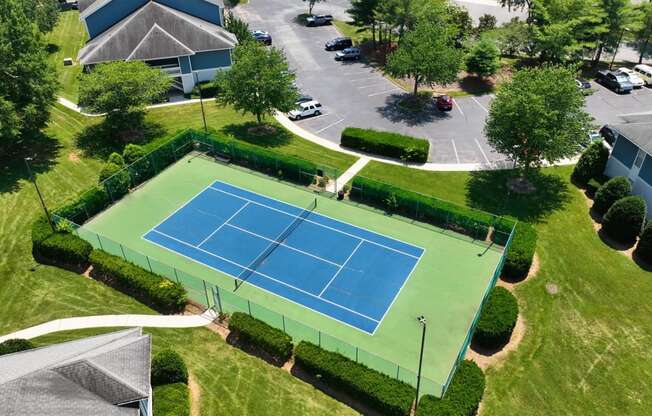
[
  {"x": 307, "y": 109},
  {"x": 645, "y": 72},
  {"x": 582, "y": 84},
  {"x": 608, "y": 134},
  {"x": 304, "y": 99},
  {"x": 319, "y": 20},
  {"x": 614, "y": 80},
  {"x": 636, "y": 81},
  {"x": 444, "y": 103},
  {"x": 348, "y": 54},
  {"x": 263, "y": 37},
  {"x": 338, "y": 44}
]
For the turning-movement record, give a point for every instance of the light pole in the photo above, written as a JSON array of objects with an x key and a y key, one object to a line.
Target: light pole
[
  {"x": 38, "y": 191},
  {"x": 422, "y": 320},
  {"x": 201, "y": 100},
  {"x": 620, "y": 39}
]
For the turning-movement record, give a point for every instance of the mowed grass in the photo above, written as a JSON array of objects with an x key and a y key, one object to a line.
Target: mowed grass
[
  {"x": 171, "y": 400},
  {"x": 65, "y": 41},
  {"x": 586, "y": 349}
]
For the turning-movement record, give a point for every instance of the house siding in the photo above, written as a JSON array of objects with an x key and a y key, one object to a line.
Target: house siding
[
  {"x": 646, "y": 170},
  {"x": 625, "y": 151},
  {"x": 184, "y": 63},
  {"x": 198, "y": 8},
  {"x": 209, "y": 60},
  {"x": 110, "y": 14}
]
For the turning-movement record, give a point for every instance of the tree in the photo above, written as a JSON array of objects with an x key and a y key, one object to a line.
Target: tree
[
  {"x": 617, "y": 15},
  {"x": 426, "y": 54},
  {"x": 311, "y": 4},
  {"x": 643, "y": 29},
  {"x": 512, "y": 37},
  {"x": 122, "y": 90},
  {"x": 238, "y": 27},
  {"x": 259, "y": 82},
  {"x": 363, "y": 13},
  {"x": 486, "y": 22},
  {"x": 45, "y": 13},
  {"x": 538, "y": 116},
  {"x": 28, "y": 83},
  {"x": 459, "y": 17},
  {"x": 484, "y": 58}
]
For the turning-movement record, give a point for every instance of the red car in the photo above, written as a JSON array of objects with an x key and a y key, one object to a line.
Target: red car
[{"x": 444, "y": 103}]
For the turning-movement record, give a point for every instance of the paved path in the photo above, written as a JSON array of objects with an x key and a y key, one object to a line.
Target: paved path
[
  {"x": 104, "y": 321},
  {"x": 338, "y": 184}
]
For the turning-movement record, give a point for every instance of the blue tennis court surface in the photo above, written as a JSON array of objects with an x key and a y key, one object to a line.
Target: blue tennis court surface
[{"x": 345, "y": 272}]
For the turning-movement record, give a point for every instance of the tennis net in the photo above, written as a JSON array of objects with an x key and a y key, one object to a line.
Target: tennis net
[{"x": 246, "y": 273}]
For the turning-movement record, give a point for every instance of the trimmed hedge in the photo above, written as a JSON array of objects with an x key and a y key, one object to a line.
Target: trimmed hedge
[
  {"x": 168, "y": 367},
  {"x": 497, "y": 319},
  {"x": 389, "y": 144},
  {"x": 115, "y": 180},
  {"x": 385, "y": 394},
  {"x": 140, "y": 167},
  {"x": 521, "y": 252},
  {"x": 424, "y": 208},
  {"x": 149, "y": 288},
  {"x": 591, "y": 163},
  {"x": 462, "y": 397},
  {"x": 11, "y": 346},
  {"x": 625, "y": 219},
  {"x": 88, "y": 204},
  {"x": 613, "y": 190},
  {"x": 59, "y": 247},
  {"x": 257, "y": 333},
  {"x": 644, "y": 246}
]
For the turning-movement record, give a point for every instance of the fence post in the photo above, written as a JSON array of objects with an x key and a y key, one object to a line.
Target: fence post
[
  {"x": 176, "y": 275},
  {"x": 283, "y": 319},
  {"x": 249, "y": 307},
  {"x": 216, "y": 295},
  {"x": 208, "y": 303},
  {"x": 123, "y": 252},
  {"x": 356, "y": 354},
  {"x": 398, "y": 369},
  {"x": 149, "y": 264},
  {"x": 319, "y": 337},
  {"x": 100, "y": 241}
]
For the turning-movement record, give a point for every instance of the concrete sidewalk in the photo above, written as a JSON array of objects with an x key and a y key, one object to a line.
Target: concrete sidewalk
[{"x": 104, "y": 321}]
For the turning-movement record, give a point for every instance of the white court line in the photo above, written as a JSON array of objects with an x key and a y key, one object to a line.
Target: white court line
[
  {"x": 384, "y": 92},
  {"x": 330, "y": 125},
  {"x": 222, "y": 225},
  {"x": 456, "y": 105},
  {"x": 321, "y": 225},
  {"x": 482, "y": 151},
  {"x": 340, "y": 269},
  {"x": 482, "y": 106},
  {"x": 182, "y": 206},
  {"x": 455, "y": 150},
  {"x": 260, "y": 274}
]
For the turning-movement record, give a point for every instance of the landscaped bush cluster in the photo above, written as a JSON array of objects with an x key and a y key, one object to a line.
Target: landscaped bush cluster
[
  {"x": 644, "y": 246},
  {"x": 424, "y": 208},
  {"x": 497, "y": 319},
  {"x": 613, "y": 190},
  {"x": 257, "y": 333},
  {"x": 168, "y": 367},
  {"x": 462, "y": 397},
  {"x": 11, "y": 346},
  {"x": 625, "y": 219},
  {"x": 591, "y": 164},
  {"x": 406, "y": 148},
  {"x": 521, "y": 252},
  {"x": 149, "y": 288},
  {"x": 58, "y": 247},
  {"x": 388, "y": 396}
]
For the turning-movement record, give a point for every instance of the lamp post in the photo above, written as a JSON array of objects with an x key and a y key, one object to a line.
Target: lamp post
[
  {"x": 201, "y": 100},
  {"x": 422, "y": 320},
  {"x": 38, "y": 191},
  {"x": 613, "y": 58}
]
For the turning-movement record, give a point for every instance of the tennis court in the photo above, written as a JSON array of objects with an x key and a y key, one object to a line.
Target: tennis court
[{"x": 345, "y": 272}]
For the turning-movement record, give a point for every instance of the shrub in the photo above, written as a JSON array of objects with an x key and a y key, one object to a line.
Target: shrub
[
  {"x": 521, "y": 252},
  {"x": 409, "y": 149},
  {"x": 591, "y": 163},
  {"x": 462, "y": 397},
  {"x": 85, "y": 206},
  {"x": 387, "y": 395},
  {"x": 497, "y": 319},
  {"x": 624, "y": 220},
  {"x": 149, "y": 288},
  {"x": 168, "y": 367},
  {"x": 11, "y": 346},
  {"x": 115, "y": 180},
  {"x": 613, "y": 190},
  {"x": 116, "y": 159},
  {"x": 58, "y": 247},
  {"x": 421, "y": 207},
  {"x": 644, "y": 246},
  {"x": 257, "y": 333},
  {"x": 140, "y": 167}
]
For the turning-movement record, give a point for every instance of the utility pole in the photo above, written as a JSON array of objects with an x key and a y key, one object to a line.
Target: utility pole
[
  {"x": 38, "y": 191},
  {"x": 201, "y": 101},
  {"x": 422, "y": 320}
]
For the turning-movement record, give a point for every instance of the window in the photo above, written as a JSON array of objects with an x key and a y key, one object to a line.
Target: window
[{"x": 640, "y": 156}]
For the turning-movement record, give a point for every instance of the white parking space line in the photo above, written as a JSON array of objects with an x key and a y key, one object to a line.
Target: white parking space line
[
  {"x": 456, "y": 105},
  {"x": 363, "y": 79},
  {"x": 457, "y": 157},
  {"x": 478, "y": 103},
  {"x": 369, "y": 86},
  {"x": 384, "y": 92},
  {"x": 319, "y": 117},
  {"x": 482, "y": 151},
  {"x": 330, "y": 125},
  {"x": 360, "y": 73}
]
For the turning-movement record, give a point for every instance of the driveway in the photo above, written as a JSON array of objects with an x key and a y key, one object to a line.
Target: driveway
[{"x": 356, "y": 94}]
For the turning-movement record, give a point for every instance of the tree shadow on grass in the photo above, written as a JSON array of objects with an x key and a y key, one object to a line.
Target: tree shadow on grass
[
  {"x": 488, "y": 191},
  {"x": 43, "y": 150},
  {"x": 100, "y": 140},
  {"x": 251, "y": 132}
]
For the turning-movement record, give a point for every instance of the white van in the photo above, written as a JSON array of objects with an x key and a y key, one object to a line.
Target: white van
[
  {"x": 645, "y": 72},
  {"x": 307, "y": 109}
]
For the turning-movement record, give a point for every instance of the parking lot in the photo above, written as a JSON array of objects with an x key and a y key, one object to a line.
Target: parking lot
[{"x": 356, "y": 94}]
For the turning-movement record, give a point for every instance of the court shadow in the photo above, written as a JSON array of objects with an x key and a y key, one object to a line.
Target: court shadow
[
  {"x": 101, "y": 139},
  {"x": 251, "y": 132},
  {"x": 43, "y": 150}
]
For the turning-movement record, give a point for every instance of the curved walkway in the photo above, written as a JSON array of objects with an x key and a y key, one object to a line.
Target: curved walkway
[{"x": 104, "y": 321}]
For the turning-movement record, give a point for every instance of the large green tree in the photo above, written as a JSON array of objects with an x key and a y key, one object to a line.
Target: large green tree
[
  {"x": 427, "y": 54},
  {"x": 28, "y": 82},
  {"x": 617, "y": 16},
  {"x": 484, "y": 58},
  {"x": 538, "y": 116},
  {"x": 45, "y": 13},
  {"x": 259, "y": 81},
  {"x": 642, "y": 32}
]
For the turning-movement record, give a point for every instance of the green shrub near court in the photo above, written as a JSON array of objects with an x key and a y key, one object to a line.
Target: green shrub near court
[
  {"x": 497, "y": 319},
  {"x": 521, "y": 252},
  {"x": 398, "y": 146},
  {"x": 462, "y": 397},
  {"x": 257, "y": 333},
  {"x": 613, "y": 190},
  {"x": 13, "y": 345},
  {"x": 88, "y": 204},
  {"x": 58, "y": 247},
  {"x": 625, "y": 219},
  {"x": 168, "y": 367},
  {"x": 149, "y": 288},
  {"x": 140, "y": 167},
  {"x": 386, "y": 395},
  {"x": 115, "y": 180}
]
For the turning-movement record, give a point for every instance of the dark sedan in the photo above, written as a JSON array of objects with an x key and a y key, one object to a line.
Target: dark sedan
[
  {"x": 263, "y": 37},
  {"x": 338, "y": 44}
]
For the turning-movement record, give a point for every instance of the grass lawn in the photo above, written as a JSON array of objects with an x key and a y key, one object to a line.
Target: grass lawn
[
  {"x": 65, "y": 41},
  {"x": 585, "y": 350},
  {"x": 171, "y": 400},
  {"x": 349, "y": 30}
]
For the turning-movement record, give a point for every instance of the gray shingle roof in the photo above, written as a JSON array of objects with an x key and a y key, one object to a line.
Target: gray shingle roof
[
  {"x": 86, "y": 9},
  {"x": 156, "y": 31},
  {"x": 88, "y": 376},
  {"x": 638, "y": 133}
]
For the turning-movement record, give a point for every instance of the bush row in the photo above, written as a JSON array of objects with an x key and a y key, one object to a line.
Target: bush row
[
  {"x": 257, "y": 333},
  {"x": 625, "y": 219},
  {"x": 383, "y": 393},
  {"x": 521, "y": 252},
  {"x": 58, "y": 247},
  {"x": 613, "y": 190},
  {"x": 389, "y": 144},
  {"x": 462, "y": 397},
  {"x": 149, "y": 288},
  {"x": 497, "y": 319},
  {"x": 168, "y": 367},
  {"x": 11, "y": 346},
  {"x": 591, "y": 164}
]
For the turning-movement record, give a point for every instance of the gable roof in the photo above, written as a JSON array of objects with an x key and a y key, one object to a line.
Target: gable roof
[
  {"x": 87, "y": 376},
  {"x": 156, "y": 31},
  {"x": 638, "y": 133}
]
